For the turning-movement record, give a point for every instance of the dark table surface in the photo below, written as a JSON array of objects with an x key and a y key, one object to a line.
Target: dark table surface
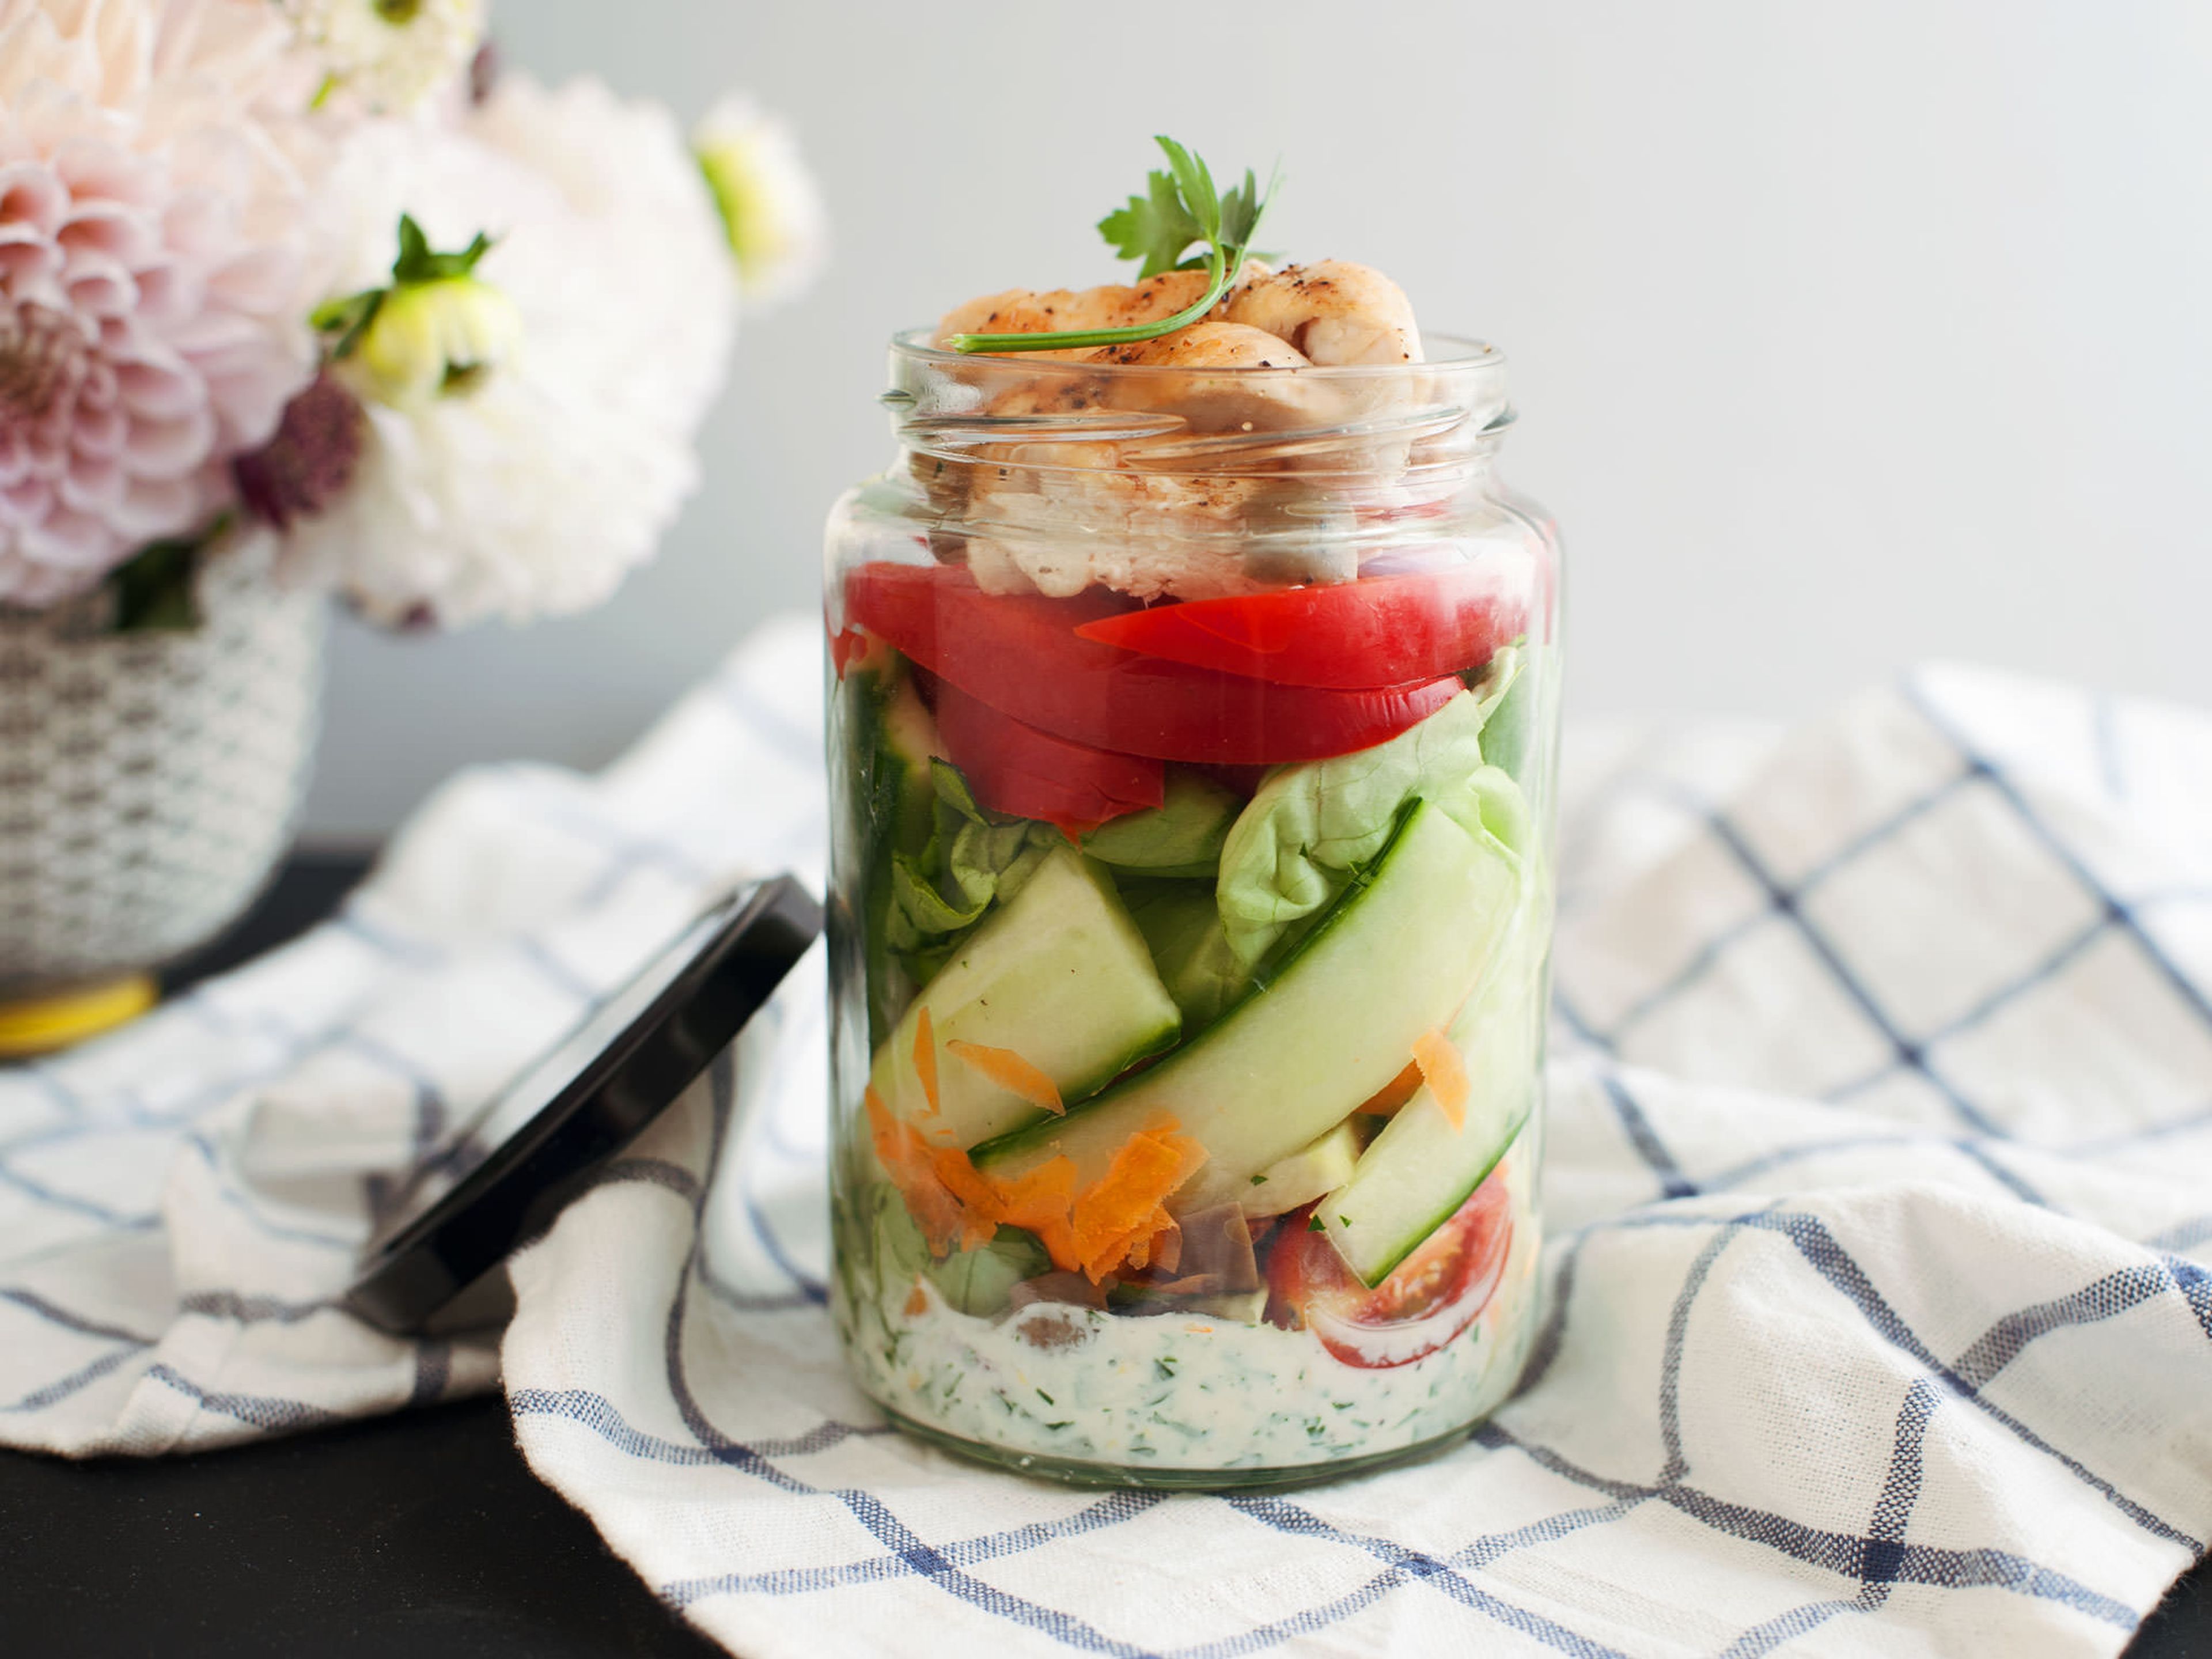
[{"x": 422, "y": 1534}]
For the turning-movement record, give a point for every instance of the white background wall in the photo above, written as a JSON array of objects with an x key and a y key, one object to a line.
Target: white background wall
[{"x": 1845, "y": 335}]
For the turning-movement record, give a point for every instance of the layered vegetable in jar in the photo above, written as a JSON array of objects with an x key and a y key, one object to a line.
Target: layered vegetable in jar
[{"x": 1193, "y": 713}]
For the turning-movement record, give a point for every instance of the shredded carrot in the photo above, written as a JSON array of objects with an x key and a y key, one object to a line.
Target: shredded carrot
[
  {"x": 963, "y": 1180},
  {"x": 1445, "y": 1072},
  {"x": 976, "y": 1193},
  {"x": 1119, "y": 1220},
  {"x": 882, "y": 1129},
  {"x": 1009, "y": 1072},
  {"x": 917, "y": 1301},
  {"x": 909, "y": 1160},
  {"x": 1142, "y": 1173},
  {"x": 925, "y": 1057},
  {"x": 1126, "y": 1204},
  {"x": 1043, "y": 1202},
  {"x": 1393, "y": 1094},
  {"x": 1148, "y": 1236}
]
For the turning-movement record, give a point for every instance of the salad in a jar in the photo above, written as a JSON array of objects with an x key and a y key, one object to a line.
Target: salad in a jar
[{"x": 1192, "y": 702}]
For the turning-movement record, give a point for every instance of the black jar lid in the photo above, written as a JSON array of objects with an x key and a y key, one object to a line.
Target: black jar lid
[{"x": 500, "y": 1181}]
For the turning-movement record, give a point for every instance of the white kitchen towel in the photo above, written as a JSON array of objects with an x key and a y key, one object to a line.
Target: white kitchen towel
[
  {"x": 180, "y": 1203},
  {"x": 1880, "y": 1179},
  {"x": 1880, "y": 1183}
]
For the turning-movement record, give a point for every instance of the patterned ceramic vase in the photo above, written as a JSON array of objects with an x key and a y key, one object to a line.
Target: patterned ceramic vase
[{"x": 149, "y": 780}]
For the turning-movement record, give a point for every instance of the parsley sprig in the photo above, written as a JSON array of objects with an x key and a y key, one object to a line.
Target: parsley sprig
[{"x": 1181, "y": 208}]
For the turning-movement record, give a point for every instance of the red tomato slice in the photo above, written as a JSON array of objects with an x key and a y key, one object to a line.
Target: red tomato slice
[
  {"x": 847, "y": 647},
  {"x": 1436, "y": 1293},
  {"x": 1021, "y": 654},
  {"x": 1016, "y": 768},
  {"x": 1383, "y": 630}
]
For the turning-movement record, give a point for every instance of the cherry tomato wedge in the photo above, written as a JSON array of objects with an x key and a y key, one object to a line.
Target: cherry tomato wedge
[
  {"x": 1021, "y": 654},
  {"x": 1436, "y": 1293},
  {"x": 1016, "y": 768},
  {"x": 1383, "y": 630}
]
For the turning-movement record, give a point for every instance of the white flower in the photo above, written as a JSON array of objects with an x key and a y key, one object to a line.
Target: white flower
[
  {"x": 388, "y": 57},
  {"x": 152, "y": 172},
  {"x": 535, "y": 492},
  {"x": 657, "y": 290},
  {"x": 771, "y": 208}
]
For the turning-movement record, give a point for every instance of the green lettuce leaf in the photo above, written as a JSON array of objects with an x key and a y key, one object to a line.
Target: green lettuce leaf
[
  {"x": 1182, "y": 835},
  {"x": 979, "y": 1281},
  {"x": 1311, "y": 827},
  {"x": 971, "y": 861},
  {"x": 1182, "y": 926},
  {"x": 1509, "y": 734}
]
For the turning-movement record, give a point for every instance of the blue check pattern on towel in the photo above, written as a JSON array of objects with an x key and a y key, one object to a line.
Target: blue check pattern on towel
[{"x": 1880, "y": 1186}]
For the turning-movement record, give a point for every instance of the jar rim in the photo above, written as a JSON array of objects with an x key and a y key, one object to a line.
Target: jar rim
[{"x": 1465, "y": 354}]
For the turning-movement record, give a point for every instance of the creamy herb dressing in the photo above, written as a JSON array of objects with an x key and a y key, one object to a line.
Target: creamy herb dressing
[{"x": 1173, "y": 1392}]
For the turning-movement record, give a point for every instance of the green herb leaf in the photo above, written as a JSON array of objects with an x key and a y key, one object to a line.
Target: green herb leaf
[
  {"x": 1241, "y": 209},
  {"x": 1181, "y": 208},
  {"x": 1156, "y": 228},
  {"x": 1195, "y": 182}
]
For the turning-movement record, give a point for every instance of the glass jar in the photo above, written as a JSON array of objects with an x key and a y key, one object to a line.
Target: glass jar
[{"x": 1192, "y": 736}]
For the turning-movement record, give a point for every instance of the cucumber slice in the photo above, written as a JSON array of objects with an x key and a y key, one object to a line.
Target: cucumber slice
[
  {"x": 1422, "y": 1167},
  {"x": 890, "y": 810},
  {"x": 1392, "y": 959},
  {"x": 909, "y": 741},
  {"x": 1305, "y": 1175},
  {"x": 1060, "y": 976}
]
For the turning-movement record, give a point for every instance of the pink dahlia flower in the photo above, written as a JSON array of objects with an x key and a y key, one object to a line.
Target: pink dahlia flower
[{"x": 154, "y": 285}]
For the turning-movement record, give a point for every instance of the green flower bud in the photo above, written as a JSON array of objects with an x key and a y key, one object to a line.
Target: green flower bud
[
  {"x": 437, "y": 332},
  {"x": 435, "y": 339}
]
